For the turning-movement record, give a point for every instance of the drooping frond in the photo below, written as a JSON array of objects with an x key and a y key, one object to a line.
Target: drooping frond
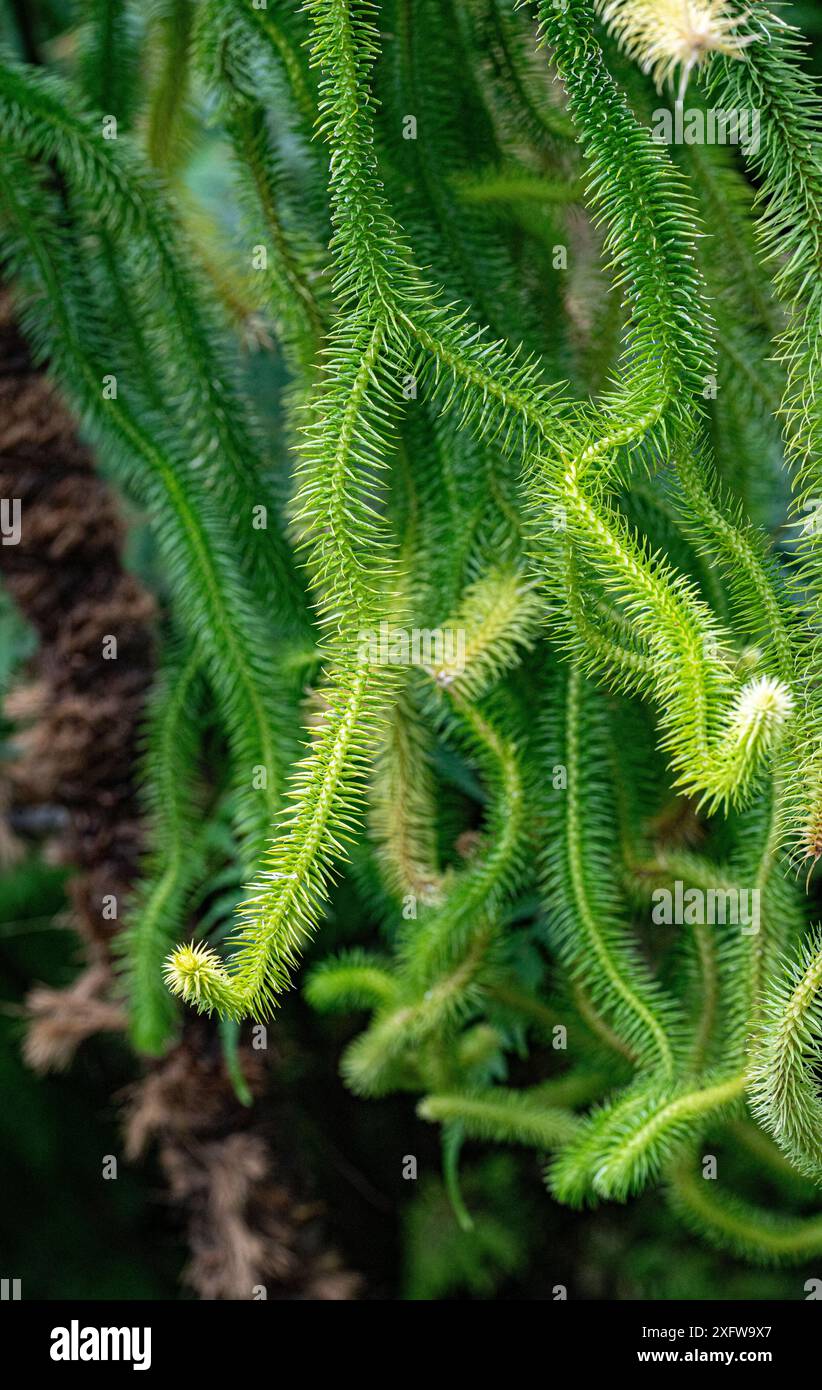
[
  {"x": 509, "y": 1117},
  {"x": 176, "y": 833},
  {"x": 628, "y": 1144},
  {"x": 728, "y": 1222},
  {"x": 785, "y": 1090},
  {"x": 579, "y": 886}
]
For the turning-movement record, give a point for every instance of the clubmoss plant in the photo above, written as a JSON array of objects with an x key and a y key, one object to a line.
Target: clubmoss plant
[{"x": 548, "y": 384}]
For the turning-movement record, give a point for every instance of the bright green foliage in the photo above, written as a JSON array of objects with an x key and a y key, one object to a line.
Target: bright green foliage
[
  {"x": 785, "y": 1087},
  {"x": 516, "y": 595}
]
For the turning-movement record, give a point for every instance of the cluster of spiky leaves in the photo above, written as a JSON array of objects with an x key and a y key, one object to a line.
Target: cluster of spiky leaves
[{"x": 517, "y": 593}]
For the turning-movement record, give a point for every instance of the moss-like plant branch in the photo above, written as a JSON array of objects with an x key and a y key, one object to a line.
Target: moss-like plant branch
[{"x": 540, "y": 651}]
